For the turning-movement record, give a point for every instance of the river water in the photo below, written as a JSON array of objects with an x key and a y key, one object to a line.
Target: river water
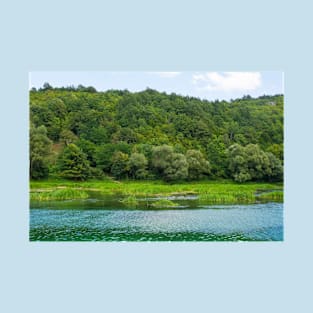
[{"x": 74, "y": 221}]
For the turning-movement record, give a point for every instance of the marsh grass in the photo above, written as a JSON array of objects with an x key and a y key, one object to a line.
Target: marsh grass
[
  {"x": 59, "y": 194},
  {"x": 271, "y": 196},
  {"x": 130, "y": 200},
  {"x": 215, "y": 192},
  {"x": 163, "y": 203},
  {"x": 229, "y": 197}
]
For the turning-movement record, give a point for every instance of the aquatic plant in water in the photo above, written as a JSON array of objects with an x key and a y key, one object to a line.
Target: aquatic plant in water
[
  {"x": 130, "y": 200},
  {"x": 163, "y": 203}
]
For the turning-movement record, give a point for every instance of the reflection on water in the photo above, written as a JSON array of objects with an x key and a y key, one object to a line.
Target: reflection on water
[{"x": 257, "y": 222}]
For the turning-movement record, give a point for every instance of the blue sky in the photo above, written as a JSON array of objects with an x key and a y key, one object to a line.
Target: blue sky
[{"x": 201, "y": 84}]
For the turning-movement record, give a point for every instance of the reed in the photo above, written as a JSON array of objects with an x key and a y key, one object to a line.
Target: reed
[
  {"x": 271, "y": 196},
  {"x": 130, "y": 200},
  {"x": 208, "y": 191},
  {"x": 60, "y": 194},
  {"x": 163, "y": 203}
]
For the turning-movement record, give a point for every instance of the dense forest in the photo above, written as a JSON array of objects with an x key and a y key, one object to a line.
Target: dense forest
[{"x": 80, "y": 133}]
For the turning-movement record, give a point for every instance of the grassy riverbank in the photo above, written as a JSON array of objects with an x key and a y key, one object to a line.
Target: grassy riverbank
[{"x": 207, "y": 191}]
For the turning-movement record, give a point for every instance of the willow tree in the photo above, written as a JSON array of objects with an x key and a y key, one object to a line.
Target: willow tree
[
  {"x": 169, "y": 165},
  {"x": 198, "y": 166},
  {"x": 138, "y": 165}
]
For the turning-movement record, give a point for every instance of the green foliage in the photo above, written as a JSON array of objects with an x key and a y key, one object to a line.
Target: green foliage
[
  {"x": 275, "y": 171},
  {"x": 104, "y": 154},
  {"x": 130, "y": 200},
  {"x": 216, "y": 153},
  {"x": 40, "y": 149},
  {"x": 73, "y": 163},
  {"x": 169, "y": 165},
  {"x": 164, "y": 203},
  {"x": 198, "y": 166},
  {"x": 277, "y": 150},
  {"x": 227, "y": 198},
  {"x": 162, "y": 157},
  {"x": 103, "y": 123},
  {"x": 59, "y": 194},
  {"x": 67, "y": 137},
  {"x": 138, "y": 166},
  {"x": 120, "y": 165},
  {"x": 207, "y": 191},
  {"x": 277, "y": 196},
  {"x": 177, "y": 169},
  {"x": 252, "y": 163},
  {"x": 89, "y": 149}
]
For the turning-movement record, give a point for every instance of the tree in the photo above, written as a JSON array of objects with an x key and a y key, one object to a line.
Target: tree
[
  {"x": 102, "y": 123},
  {"x": 168, "y": 164},
  {"x": 198, "y": 166},
  {"x": 177, "y": 169},
  {"x": 257, "y": 162},
  {"x": 144, "y": 149},
  {"x": 252, "y": 163},
  {"x": 138, "y": 165},
  {"x": 277, "y": 150},
  {"x": 67, "y": 137},
  {"x": 89, "y": 149},
  {"x": 244, "y": 166},
  {"x": 276, "y": 168},
  {"x": 47, "y": 86},
  {"x": 104, "y": 154},
  {"x": 216, "y": 153},
  {"x": 40, "y": 149},
  {"x": 73, "y": 163},
  {"x": 161, "y": 158},
  {"x": 120, "y": 165}
]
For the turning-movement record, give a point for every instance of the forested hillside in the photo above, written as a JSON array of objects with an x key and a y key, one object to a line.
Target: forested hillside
[{"x": 79, "y": 133}]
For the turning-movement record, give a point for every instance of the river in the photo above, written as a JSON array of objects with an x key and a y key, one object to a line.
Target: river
[{"x": 91, "y": 221}]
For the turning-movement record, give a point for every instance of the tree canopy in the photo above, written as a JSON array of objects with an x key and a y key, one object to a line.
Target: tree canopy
[
  {"x": 40, "y": 148},
  {"x": 73, "y": 163},
  {"x": 150, "y": 134}
]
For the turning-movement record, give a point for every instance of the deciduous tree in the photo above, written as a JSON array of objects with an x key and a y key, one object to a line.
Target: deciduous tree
[
  {"x": 198, "y": 166},
  {"x": 169, "y": 165},
  {"x": 138, "y": 165},
  {"x": 120, "y": 165},
  {"x": 73, "y": 163},
  {"x": 40, "y": 149}
]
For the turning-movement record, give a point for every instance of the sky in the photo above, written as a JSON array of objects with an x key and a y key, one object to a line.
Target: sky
[{"x": 200, "y": 84}]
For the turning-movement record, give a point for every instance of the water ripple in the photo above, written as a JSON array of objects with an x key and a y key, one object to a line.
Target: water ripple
[{"x": 257, "y": 222}]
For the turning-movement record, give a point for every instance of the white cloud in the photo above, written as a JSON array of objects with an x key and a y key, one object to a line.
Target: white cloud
[
  {"x": 227, "y": 81},
  {"x": 167, "y": 74}
]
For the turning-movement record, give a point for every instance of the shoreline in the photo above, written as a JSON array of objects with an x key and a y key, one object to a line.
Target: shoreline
[{"x": 215, "y": 192}]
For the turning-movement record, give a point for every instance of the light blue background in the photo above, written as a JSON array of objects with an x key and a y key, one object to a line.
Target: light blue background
[{"x": 156, "y": 277}]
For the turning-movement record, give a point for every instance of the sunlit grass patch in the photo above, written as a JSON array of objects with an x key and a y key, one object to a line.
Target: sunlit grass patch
[
  {"x": 216, "y": 192},
  {"x": 271, "y": 196},
  {"x": 225, "y": 198},
  {"x": 130, "y": 200},
  {"x": 59, "y": 194},
  {"x": 163, "y": 203}
]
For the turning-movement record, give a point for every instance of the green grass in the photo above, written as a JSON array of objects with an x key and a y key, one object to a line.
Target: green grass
[
  {"x": 61, "y": 194},
  {"x": 130, "y": 200},
  {"x": 271, "y": 196},
  {"x": 208, "y": 191},
  {"x": 163, "y": 203},
  {"x": 235, "y": 197}
]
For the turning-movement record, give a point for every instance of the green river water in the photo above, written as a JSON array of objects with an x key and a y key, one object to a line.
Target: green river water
[{"x": 107, "y": 219}]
